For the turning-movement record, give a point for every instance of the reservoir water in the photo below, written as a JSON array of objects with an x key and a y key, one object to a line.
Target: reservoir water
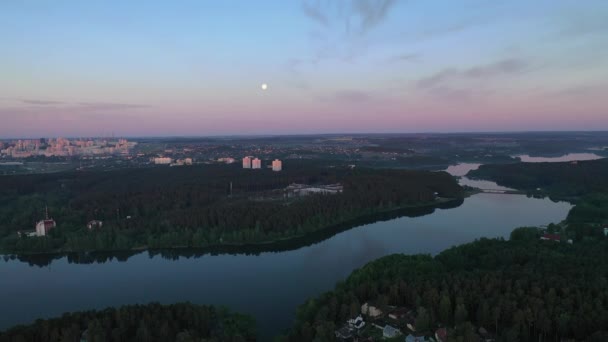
[
  {"x": 266, "y": 284},
  {"x": 564, "y": 158},
  {"x": 460, "y": 170}
]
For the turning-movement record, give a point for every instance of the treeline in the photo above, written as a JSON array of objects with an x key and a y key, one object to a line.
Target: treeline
[
  {"x": 87, "y": 257},
  {"x": 559, "y": 180},
  {"x": 518, "y": 290},
  {"x": 195, "y": 206},
  {"x": 153, "y": 322},
  {"x": 591, "y": 208}
]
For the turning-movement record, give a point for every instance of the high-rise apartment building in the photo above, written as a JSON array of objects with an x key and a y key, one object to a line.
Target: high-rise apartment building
[
  {"x": 277, "y": 165},
  {"x": 256, "y": 164},
  {"x": 247, "y": 163}
]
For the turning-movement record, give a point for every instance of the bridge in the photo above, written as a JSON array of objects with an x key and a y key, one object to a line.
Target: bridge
[{"x": 498, "y": 191}]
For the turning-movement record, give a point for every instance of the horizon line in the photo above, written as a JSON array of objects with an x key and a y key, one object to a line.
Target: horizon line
[{"x": 266, "y": 135}]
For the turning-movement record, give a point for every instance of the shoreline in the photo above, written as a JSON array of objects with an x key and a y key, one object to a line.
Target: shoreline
[{"x": 278, "y": 243}]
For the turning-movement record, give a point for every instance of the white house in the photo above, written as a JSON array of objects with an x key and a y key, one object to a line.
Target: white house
[
  {"x": 44, "y": 227},
  {"x": 94, "y": 224},
  {"x": 163, "y": 161},
  {"x": 370, "y": 310},
  {"x": 357, "y": 323},
  {"x": 415, "y": 338},
  {"x": 390, "y": 332}
]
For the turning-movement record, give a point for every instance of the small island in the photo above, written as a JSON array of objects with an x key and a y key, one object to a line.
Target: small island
[{"x": 202, "y": 206}]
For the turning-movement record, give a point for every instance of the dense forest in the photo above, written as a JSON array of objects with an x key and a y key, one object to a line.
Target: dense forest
[
  {"x": 559, "y": 180},
  {"x": 524, "y": 289},
  {"x": 517, "y": 290},
  {"x": 153, "y": 322},
  {"x": 199, "y": 206}
]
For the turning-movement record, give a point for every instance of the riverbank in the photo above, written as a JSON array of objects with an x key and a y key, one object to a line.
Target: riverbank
[
  {"x": 198, "y": 207},
  {"x": 267, "y": 283},
  {"x": 282, "y": 243},
  {"x": 559, "y": 180},
  {"x": 515, "y": 276}
]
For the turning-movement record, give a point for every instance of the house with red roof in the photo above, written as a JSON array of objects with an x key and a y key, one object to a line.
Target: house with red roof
[
  {"x": 551, "y": 237},
  {"x": 441, "y": 334},
  {"x": 44, "y": 227}
]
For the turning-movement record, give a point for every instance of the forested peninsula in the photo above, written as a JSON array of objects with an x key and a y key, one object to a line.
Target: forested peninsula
[
  {"x": 200, "y": 206},
  {"x": 564, "y": 180},
  {"x": 544, "y": 284},
  {"x": 524, "y": 289}
]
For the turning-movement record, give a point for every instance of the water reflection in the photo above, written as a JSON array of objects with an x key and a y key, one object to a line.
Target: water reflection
[{"x": 266, "y": 283}]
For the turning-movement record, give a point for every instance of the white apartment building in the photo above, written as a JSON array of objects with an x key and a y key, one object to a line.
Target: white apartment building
[
  {"x": 256, "y": 164},
  {"x": 247, "y": 162},
  {"x": 277, "y": 165}
]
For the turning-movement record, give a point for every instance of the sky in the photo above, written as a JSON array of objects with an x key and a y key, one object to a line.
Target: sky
[{"x": 170, "y": 68}]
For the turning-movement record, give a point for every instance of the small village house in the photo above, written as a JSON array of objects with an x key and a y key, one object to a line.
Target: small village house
[
  {"x": 415, "y": 338},
  {"x": 551, "y": 237},
  {"x": 43, "y": 227},
  {"x": 390, "y": 332},
  {"x": 94, "y": 224},
  {"x": 370, "y": 310},
  {"x": 441, "y": 335}
]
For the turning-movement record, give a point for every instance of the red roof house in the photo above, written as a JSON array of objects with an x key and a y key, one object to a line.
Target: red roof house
[{"x": 551, "y": 237}]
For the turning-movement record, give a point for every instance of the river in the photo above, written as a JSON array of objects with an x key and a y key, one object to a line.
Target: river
[{"x": 269, "y": 285}]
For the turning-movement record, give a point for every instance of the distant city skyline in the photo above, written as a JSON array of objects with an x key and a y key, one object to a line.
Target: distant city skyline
[
  {"x": 148, "y": 68},
  {"x": 270, "y": 135}
]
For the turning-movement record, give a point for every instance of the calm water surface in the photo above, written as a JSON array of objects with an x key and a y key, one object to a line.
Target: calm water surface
[
  {"x": 268, "y": 285},
  {"x": 460, "y": 170},
  {"x": 565, "y": 158}
]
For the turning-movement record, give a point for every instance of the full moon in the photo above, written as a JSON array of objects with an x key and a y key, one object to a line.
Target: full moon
[{"x": 264, "y": 86}]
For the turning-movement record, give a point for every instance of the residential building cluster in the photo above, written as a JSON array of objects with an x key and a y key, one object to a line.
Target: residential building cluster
[
  {"x": 62, "y": 147},
  {"x": 169, "y": 161},
  {"x": 250, "y": 162},
  {"x": 44, "y": 226},
  {"x": 295, "y": 189},
  {"x": 394, "y": 322},
  {"x": 226, "y": 160},
  {"x": 181, "y": 162},
  {"x": 94, "y": 224},
  {"x": 162, "y": 160}
]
